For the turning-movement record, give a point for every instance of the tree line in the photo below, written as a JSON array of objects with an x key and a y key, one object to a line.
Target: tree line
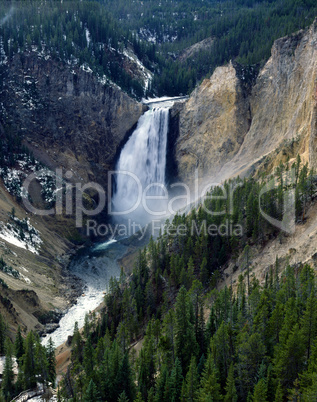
[{"x": 259, "y": 344}]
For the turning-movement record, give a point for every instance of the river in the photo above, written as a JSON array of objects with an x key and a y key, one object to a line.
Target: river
[
  {"x": 95, "y": 266},
  {"x": 144, "y": 158}
]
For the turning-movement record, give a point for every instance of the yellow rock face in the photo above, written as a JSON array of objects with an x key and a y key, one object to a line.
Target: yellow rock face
[
  {"x": 224, "y": 133},
  {"x": 213, "y": 124}
]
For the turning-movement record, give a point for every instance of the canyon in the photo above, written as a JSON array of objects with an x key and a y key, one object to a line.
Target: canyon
[{"x": 72, "y": 120}]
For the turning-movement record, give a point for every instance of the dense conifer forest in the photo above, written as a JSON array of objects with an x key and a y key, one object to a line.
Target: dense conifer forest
[
  {"x": 96, "y": 33},
  {"x": 248, "y": 342}
]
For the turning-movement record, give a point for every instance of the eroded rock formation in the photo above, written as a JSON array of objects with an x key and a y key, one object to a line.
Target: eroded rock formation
[{"x": 223, "y": 132}]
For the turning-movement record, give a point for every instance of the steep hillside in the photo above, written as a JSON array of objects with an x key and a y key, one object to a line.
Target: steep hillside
[
  {"x": 103, "y": 33},
  {"x": 225, "y": 130},
  {"x": 79, "y": 34},
  {"x": 283, "y": 102},
  {"x": 212, "y": 125},
  {"x": 69, "y": 117},
  {"x": 35, "y": 285},
  {"x": 53, "y": 115}
]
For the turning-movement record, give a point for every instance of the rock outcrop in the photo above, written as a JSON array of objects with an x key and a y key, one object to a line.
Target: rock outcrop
[
  {"x": 223, "y": 133},
  {"x": 213, "y": 124},
  {"x": 69, "y": 117}
]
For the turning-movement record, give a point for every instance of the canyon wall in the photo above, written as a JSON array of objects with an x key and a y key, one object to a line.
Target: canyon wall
[
  {"x": 224, "y": 131},
  {"x": 68, "y": 116}
]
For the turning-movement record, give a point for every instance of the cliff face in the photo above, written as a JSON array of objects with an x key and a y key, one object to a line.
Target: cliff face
[
  {"x": 213, "y": 124},
  {"x": 216, "y": 134},
  {"x": 69, "y": 117}
]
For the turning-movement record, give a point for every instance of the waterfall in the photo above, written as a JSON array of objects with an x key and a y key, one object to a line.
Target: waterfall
[{"x": 142, "y": 163}]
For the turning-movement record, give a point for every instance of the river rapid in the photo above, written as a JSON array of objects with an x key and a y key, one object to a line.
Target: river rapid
[{"x": 94, "y": 266}]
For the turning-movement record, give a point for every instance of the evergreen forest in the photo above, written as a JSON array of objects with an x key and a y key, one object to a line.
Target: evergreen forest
[{"x": 96, "y": 33}]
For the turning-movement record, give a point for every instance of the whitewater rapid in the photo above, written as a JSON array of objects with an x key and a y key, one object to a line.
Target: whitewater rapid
[{"x": 95, "y": 268}]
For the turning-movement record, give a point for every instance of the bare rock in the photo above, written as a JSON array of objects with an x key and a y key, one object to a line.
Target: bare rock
[
  {"x": 225, "y": 132},
  {"x": 69, "y": 117},
  {"x": 213, "y": 124}
]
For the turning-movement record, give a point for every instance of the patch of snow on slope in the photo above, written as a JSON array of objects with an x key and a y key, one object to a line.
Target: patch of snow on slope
[
  {"x": 88, "y": 39},
  {"x": 147, "y": 75},
  {"x": 14, "y": 177},
  {"x": 25, "y": 279},
  {"x": 21, "y": 234},
  {"x": 86, "y": 68}
]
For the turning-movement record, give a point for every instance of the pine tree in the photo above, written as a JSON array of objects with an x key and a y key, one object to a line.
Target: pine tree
[
  {"x": 19, "y": 345},
  {"x": 309, "y": 324},
  {"x": 196, "y": 292},
  {"x": 7, "y": 384},
  {"x": 92, "y": 393},
  {"x": 161, "y": 383},
  {"x": 231, "y": 391},
  {"x": 185, "y": 337},
  {"x": 190, "y": 386},
  {"x": 190, "y": 273},
  {"x": 289, "y": 362},
  {"x": 220, "y": 351},
  {"x": 50, "y": 353},
  {"x": 251, "y": 353},
  {"x": 41, "y": 364},
  {"x": 175, "y": 382},
  {"x": 88, "y": 361},
  {"x": 124, "y": 378},
  {"x": 139, "y": 398},
  {"x": 210, "y": 388},
  {"x": 310, "y": 393},
  {"x": 77, "y": 347},
  {"x": 260, "y": 391},
  {"x": 204, "y": 272},
  {"x": 123, "y": 397},
  {"x": 29, "y": 362},
  {"x": 147, "y": 364},
  {"x": 279, "y": 395},
  {"x": 86, "y": 326}
]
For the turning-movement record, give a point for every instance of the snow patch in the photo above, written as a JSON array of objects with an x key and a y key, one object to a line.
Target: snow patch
[
  {"x": 147, "y": 75},
  {"x": 22, "y": 234},
  {"x": 25, "y": 279},
  {"x": 86, "y": 68},
  {"x": 148, "y": 35},
  {"x": 14, "y": 177},
  {"x": 88, "y": 36},
  {"x": 2, "y": 364}
]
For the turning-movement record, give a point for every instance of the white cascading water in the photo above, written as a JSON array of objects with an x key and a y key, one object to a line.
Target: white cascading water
[{"x": 143, "y": 158}]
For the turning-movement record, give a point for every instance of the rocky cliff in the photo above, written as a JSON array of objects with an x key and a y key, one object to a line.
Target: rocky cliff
[
  {"x": 224, "y": 132},
  {"x": 212, "y": 125},
  {"x": 68, "y": 116}
]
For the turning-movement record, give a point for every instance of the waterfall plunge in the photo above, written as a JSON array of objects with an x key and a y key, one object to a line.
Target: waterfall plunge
[{"x": 142, "y": 163}]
